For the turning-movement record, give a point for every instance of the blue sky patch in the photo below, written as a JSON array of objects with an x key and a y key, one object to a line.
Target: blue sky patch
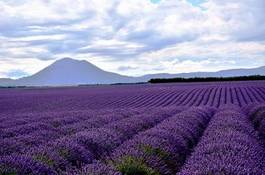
[
  {"x": 155, "y": 1},
  {"x": 196, "y": 2},
  {"x": 16, "y": 74}
]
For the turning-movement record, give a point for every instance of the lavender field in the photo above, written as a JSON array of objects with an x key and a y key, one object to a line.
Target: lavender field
[{"x": 161, "y": 129}]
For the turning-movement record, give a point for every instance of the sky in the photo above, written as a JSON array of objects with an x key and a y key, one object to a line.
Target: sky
[{"x": 132, "y": 37}]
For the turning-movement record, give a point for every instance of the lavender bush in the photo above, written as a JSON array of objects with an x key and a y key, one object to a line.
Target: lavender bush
[
  {"x": 159, "y": 129},
  {"x": 229, "y": 146}
]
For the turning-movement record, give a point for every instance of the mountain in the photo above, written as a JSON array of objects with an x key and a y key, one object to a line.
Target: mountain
[
  {"x": 5, "y": 81},
  {"x": 222, "y": 73},
  {"x": 68, "y": 71}
]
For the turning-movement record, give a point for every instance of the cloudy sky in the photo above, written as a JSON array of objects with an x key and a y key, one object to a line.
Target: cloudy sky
[{"x": 132, "y": 37}]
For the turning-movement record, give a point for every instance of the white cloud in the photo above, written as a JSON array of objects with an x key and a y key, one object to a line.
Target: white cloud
[
  {"x": 39, "y": 37},
  {"x": 170, "y": 36},
  {"x": 28, "y": 65},
  {"x": 111, "y": 43}
]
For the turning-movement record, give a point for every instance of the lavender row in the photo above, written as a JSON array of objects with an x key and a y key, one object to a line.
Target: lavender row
[
  {"x": 159, "y": 150},
  {"x": 256, "y": 113},
  {"x": 66, "y": 120},
  {"x": 83, "y": 147},
  {"x": 39, "y": 136},
  {"x": 229, "y": 146},
  {"x": 65, "y": 99},
  {"x": 55, "y": 118},
  {"x": 216, "y": 96}
]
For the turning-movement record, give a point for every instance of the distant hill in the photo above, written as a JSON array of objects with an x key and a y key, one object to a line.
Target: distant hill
[
  {"x": 223, "y": 73},
  {"x": 68, "y": 71},
  {"x": 6, "y": 81}
]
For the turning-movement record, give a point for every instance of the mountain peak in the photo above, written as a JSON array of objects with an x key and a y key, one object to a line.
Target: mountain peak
[{"x": 67, "y": 59}]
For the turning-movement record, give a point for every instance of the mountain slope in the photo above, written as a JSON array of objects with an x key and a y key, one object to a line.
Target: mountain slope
[
  {"x": 223, "y": 73},
  {"x": 68, "y": 71},
  {"x": 6, "y": 81}
]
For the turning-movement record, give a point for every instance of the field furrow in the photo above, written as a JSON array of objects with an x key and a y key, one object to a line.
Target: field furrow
[{"x": 137, "y": 129}]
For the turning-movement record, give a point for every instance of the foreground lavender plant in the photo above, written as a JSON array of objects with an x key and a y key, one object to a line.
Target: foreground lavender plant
[
  {"x": 86, "y": 146},
  {"x": 229, "y": 146},
  {"x": 161, "y": 149},
  {"x": 256, "y": 113},
  {"x": 118, "y": 129}
]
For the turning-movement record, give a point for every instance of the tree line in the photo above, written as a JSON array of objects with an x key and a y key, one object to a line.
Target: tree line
[{"x": 206, "y": 79}]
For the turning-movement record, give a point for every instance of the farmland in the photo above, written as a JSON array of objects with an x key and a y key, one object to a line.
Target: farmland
[{"x": 183, "y": 128}]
